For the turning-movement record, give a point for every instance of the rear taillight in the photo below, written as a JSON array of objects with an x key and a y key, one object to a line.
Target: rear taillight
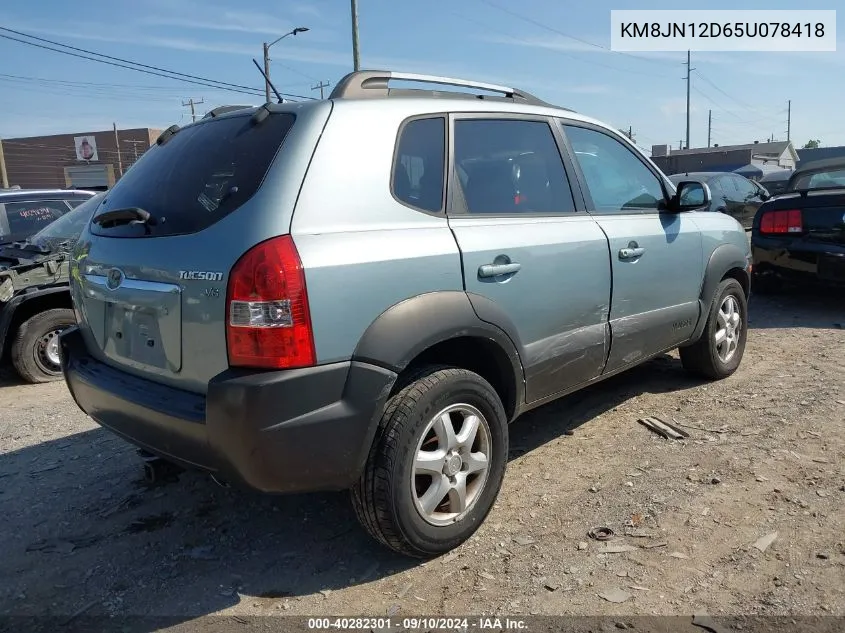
[
  {"x": 268, "y": 324},
  {"x": 781, "y": 222}
]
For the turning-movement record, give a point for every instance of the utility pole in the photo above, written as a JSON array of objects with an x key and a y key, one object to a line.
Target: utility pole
[
  {"x": 356, "y": 57},
  {"x": 689, "y": 71},
  {"x": 266, "y": 72},
  {"x": 135, "y": 145},
  {"x": 117, "y": 145},
  {"x": 4, "y": 176},
  {"x": 789, "y": 120},
  {"x": 709, "y": 125},
  {"x": 193, "y": 103},
  {"x": 320, "y": 86},
  {"x": 681, "y": 144}
]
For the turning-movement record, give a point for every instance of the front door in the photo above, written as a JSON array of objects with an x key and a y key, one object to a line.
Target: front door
[
  {"x": 656, "y": 256},
  {"x": 530, "y": 255}
]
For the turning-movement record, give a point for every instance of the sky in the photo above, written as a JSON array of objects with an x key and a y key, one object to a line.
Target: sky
[{"x": 556, "y": 49}]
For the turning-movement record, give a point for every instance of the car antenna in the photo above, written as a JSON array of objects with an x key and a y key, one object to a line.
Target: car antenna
[{"x": 267, "y": 79}]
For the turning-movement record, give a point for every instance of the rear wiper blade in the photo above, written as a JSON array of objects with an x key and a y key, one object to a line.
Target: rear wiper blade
[{"x": 129, "y": 215}]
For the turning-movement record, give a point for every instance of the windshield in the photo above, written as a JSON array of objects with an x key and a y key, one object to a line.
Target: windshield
[{"x": 69, "y": 226}]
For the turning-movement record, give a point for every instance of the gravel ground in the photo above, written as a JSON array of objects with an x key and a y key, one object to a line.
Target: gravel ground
[{"x": 744, "y": 517}]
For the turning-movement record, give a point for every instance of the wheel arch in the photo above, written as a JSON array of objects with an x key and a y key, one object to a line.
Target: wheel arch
[
  {"x": 26, "y": 305},
  {"x": 726, "y": 261},
  {"x": 443, "y": 328}
]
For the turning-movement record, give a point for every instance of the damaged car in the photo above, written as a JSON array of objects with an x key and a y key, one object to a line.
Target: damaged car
[{"x": 35, "y": 303}]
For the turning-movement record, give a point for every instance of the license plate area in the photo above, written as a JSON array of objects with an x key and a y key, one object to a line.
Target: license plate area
[
  {"x": 135, "y": 334},
  {"x": 141, "y": 322}
]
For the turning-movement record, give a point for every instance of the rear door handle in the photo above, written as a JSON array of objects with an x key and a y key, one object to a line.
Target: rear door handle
[
  {"x": 631, "y": 253},
  {"x": 495, "y": 270}
]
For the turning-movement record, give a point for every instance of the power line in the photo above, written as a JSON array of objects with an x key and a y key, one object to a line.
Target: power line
[
  {"x": 559, "y": 52},
  {"x": 545, "y": 26},
  {"x": 735, "y": 100},
  {"x": 136, "y": 66},
  {"x": 125, "y": 61}
]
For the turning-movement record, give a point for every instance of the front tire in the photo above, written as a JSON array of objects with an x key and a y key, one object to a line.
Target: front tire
[
  {"x": 35, "y": 350},
  {"x": 718, "y": 352},
  {"x": 436, "y": 465}
]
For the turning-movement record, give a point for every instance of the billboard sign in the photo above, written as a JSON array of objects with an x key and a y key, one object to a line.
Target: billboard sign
[{"x": 86, "y": 147}]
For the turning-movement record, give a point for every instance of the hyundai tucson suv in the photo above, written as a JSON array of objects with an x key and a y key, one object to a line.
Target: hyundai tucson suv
[{"x": 363, "y": 292}]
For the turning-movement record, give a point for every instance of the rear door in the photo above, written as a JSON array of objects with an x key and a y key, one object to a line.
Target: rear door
[
  {"x": 530, "y": 254},
  {"x": 656, "y": 257},
  {"x": 152, "y": 294}
]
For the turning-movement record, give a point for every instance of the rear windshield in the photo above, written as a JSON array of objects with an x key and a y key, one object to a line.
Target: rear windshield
[
  {"x": 200, "y": 175},
  {"x": 829, "y": 179}
]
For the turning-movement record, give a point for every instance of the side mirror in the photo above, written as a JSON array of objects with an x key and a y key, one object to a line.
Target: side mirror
[{"x": 690, "y": 195}]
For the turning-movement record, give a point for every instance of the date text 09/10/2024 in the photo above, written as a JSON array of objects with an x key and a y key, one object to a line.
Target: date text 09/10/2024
[{"x": 418, "y": 623}]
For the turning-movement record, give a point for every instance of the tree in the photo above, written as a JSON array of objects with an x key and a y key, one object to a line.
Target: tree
[{"x": 812, "y": 144}]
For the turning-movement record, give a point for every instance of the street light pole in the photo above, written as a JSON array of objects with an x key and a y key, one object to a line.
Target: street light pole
[{"x": 299, "y": 29}]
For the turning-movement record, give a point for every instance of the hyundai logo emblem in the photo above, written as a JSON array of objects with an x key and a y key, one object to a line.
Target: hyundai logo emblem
[{"x": 114, "y": 278}]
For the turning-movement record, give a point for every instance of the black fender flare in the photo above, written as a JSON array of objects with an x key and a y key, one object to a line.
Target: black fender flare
[
  {"x": 7, "y": 310},
  {"x": 723, "y": 258},
  {"x": 408, "y": 328}
]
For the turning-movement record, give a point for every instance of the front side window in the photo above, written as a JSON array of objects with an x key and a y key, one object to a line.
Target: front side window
[
  {"x": 510, "y": 166},
  {"x": 419, "y": 165},
  {"x": 616, "y": 179},
  {"x": 25, "y": 218}
]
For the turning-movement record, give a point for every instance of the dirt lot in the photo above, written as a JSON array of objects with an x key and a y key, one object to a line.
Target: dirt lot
[{"x": 81, "y": 532}]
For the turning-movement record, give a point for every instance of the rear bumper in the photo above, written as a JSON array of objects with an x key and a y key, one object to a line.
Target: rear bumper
[
  {"x": 279, "y": 431},
  {"x": 798, "y": 260}
]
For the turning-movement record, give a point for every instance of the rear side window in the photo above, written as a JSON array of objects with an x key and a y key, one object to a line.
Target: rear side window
[
  {"x": 510, "y": 166},
  {"x": 418, "y": 166},
  {"x": 196, "y": 178},
  {"x": 25, "y": 218}
]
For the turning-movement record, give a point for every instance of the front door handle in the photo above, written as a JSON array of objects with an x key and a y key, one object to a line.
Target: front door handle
[
  {"x": 631, "y": 253},
  {"x": 496, "y": 270}
]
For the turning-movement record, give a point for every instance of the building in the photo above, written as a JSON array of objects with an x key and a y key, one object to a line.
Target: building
[
  {"x": 821, "y": 153},
  {"x": 81, "y": 160},
  {"x": 777, "y": 155}
]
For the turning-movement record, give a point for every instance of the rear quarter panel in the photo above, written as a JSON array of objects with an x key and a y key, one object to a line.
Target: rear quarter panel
[{"x": 362, "y": 250}]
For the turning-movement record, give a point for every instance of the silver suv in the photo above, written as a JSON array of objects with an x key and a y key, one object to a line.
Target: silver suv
[{"x": 362, "y": 292}]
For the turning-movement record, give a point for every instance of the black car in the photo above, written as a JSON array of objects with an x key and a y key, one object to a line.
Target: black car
[
  {"x": 799, "y": 236},
  {"x": 776, "y": 182},
  {"x": 731, "y": 193},
  {"x": 24, "y": 212}
]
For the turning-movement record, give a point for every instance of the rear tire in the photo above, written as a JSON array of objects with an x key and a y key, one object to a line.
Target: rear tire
[
  {"x": 35, "y": 349},
  {"x": 718, "y": 352},
  {"x": 426, "y": 489}
]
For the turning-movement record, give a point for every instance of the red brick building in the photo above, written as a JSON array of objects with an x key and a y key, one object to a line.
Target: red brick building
[{"x": 85, "y": 159}]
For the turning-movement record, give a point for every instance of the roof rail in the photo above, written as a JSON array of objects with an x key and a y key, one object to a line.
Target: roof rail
[{"x": 373, "y": 83}]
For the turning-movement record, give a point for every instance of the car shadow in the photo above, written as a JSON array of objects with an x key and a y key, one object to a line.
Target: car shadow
[
  {"x": 79, "y": 503},
  {"x": 796, "y": 307},
  {"x": 9, "y": 377}
]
